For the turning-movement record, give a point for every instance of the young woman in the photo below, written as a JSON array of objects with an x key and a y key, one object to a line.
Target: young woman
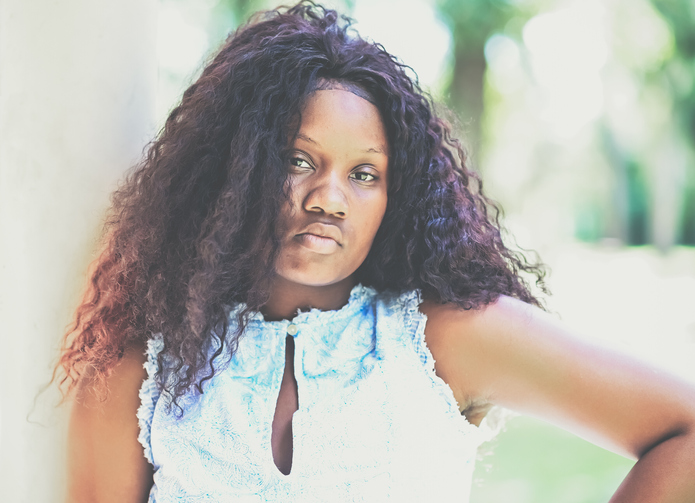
[{"x": 304, "y": 296}]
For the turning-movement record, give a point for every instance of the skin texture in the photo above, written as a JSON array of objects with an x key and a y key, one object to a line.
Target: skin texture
[
  {"x": 338, "y": 185},
  {"x": 507, "y": 353}
]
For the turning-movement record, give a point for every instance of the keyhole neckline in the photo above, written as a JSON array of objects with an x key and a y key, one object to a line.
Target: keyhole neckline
[{"x": 282, "y": 438}]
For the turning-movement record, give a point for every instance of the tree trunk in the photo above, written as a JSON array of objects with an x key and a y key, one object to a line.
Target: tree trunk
[{"x": 466, "y": 96}]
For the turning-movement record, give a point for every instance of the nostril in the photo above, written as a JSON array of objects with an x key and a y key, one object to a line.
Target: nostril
[{"x": 327, "y": 199}]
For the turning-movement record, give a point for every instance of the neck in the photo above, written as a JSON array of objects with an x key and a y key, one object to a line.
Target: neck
[{"x": 286, "y": 298}]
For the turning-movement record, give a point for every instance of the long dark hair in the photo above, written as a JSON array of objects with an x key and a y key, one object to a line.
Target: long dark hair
[{"x": 192, "y": 230}]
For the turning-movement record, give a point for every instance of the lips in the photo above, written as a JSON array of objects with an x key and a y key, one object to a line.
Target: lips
[
  {"x": 320, "y": 238},
  {"x": 323, "y": 231}
]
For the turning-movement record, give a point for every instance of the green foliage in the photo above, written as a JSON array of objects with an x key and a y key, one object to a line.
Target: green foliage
[
  {"x": 680, "y": 76},
  {"x": 473, "y": 21},
  {"x": 680, "y": 14},
  {"x": 680, "y": 70},
  {"x": 637, "y": 210}
]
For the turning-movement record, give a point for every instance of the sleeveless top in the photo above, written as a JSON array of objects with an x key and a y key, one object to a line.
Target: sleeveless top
[{"x": 374, "y": 424}]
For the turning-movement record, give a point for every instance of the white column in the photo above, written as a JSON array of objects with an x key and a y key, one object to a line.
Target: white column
[{"x": 77, "y": 79}]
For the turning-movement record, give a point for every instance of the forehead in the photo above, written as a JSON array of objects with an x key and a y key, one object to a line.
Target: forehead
[{"x": 338, "y": 117}]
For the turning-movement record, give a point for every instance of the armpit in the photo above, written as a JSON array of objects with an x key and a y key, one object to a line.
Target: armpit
[{"x": 475, "y": 410}]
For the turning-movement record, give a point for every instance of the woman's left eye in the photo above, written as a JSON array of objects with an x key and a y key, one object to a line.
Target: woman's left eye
[{"x": 362, "y": 176}]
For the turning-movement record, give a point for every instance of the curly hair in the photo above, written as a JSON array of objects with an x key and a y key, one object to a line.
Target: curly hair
[{"x": 194, "y": 226}]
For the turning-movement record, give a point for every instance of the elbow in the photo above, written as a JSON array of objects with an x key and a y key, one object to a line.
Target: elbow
[{"x": 681, "y": 437}]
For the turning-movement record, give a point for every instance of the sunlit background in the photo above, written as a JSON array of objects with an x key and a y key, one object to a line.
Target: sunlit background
[{"x": 580, "y": 115}]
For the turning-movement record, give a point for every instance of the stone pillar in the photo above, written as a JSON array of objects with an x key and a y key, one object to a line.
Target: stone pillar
[{"x": 77, "y": 81}]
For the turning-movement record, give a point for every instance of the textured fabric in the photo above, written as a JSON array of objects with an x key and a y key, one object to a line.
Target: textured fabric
[{"x": 374, "y": 422}]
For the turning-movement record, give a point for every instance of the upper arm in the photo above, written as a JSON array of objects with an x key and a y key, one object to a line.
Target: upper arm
[
  {"x": 105, "y": 460},
  {"x": 517, "y": 356}
]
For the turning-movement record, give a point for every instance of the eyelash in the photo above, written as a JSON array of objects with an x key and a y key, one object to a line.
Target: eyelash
[
  {"x": 295, "y": 161},
  {"x": 358, "y": 173}
]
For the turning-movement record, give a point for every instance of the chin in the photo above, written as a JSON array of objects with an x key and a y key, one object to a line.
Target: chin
[{"x": 312, "y": 279}]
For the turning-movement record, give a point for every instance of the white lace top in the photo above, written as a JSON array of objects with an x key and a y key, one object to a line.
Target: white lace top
[{"x": 374, "y": 423}]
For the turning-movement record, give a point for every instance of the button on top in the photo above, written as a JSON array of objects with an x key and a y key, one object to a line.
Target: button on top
[{"x": 292, "y": 329}]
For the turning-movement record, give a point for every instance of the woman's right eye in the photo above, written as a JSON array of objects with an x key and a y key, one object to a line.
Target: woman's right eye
[{"x": 298, "y": 162}]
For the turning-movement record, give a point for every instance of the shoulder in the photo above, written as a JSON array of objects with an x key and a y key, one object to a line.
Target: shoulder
[
  {"x": 461, "y": 330},
  {"x": 106, "y": 461},
  {"x": 466, "y": 344},
  {"x": 504, "y": 312},
  {"x": 117, "y": 386}
]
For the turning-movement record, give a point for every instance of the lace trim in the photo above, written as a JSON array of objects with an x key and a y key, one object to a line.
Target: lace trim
[
  {"x": 149, "y": 394},
  {"x": 415, "y": 320},
  {"x": 359, "y": 295}
]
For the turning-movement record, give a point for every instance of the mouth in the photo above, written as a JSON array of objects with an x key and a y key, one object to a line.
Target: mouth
[{"x": 320, "y": 238}]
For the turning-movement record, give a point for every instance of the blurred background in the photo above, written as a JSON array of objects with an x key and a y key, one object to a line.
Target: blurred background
[{"x": 580, "y": 115}]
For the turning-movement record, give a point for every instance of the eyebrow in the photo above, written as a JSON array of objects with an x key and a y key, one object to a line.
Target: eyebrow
[{"x": 370, "y": 150}]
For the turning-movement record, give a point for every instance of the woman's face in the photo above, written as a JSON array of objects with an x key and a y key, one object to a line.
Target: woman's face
[{"x": 337, "y": 183}]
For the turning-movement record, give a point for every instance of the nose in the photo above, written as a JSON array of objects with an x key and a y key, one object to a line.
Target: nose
[{"x": 327, "y": 196}]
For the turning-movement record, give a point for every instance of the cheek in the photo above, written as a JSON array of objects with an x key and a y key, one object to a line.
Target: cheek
[
  {"x": 371, "y": 221},
  {"x": 288, "y": 210}
]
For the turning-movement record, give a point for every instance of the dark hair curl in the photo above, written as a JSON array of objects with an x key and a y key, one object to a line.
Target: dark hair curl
[{"x": 193, "y": 228}]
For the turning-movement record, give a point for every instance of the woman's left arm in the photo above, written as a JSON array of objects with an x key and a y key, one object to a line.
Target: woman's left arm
[{"x": 515, "y": 355}]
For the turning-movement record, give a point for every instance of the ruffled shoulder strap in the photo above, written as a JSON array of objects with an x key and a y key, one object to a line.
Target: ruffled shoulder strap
[
  {"x": 149, "y": 395},
  {"x": 405, "y": 310},
  {"x": 401, "y": 321},
  {"x": 415, "y": 322},
  {"x": 398, "y": 319}
]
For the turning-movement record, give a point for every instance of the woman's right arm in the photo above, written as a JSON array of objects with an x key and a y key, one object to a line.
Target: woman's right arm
[{"x": 105, "y": 460}]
